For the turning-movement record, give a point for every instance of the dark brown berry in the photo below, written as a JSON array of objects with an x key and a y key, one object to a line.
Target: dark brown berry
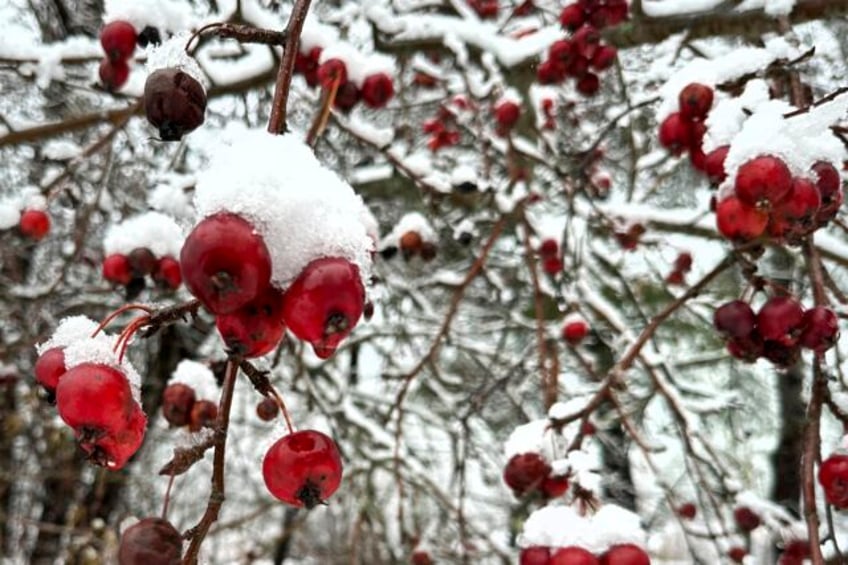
[{"x": 174, "y": 102}]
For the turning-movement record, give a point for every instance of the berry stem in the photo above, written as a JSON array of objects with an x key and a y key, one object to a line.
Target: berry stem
[
  {"x": 125, "y": 308},
  {"x": 167, "y": 500},
  {"x": 277, "y": 122},
  {"x": 323, "y": 115},
  {"x": 279, "y": 400}
]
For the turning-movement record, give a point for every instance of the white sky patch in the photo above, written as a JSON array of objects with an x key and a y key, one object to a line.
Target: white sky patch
[{"x": 153, "y": 230}]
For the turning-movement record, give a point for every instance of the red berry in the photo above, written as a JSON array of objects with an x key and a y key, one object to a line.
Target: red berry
[
  {"x": 168, "y": 273},
  {"x": 801, "y": 205},
  {"x": 534, "y": 555},
  {"x": 113, "y": 74},
  {"x": 795, "y": 552},
  {"x": 573, "y": 555},
  {"x": 625, "y": 554},
  {"x": 572, "y": 17},
  {"x": 552, "y": 265},
  {"x": 524, "y": 473},
  {"x": 267, "y": 409},
  {"x": 142, "y": 262},
  {"x": 377, "y": 90},
  {"x": 49, "y": 368},
  {"x": 575, "y": 331},
  {"x": 330, "y": 71},
  {"x": 714, "y": 164},
  {"x": 562, "y": 51},
  {"x": 308, "y": 65},
  {"x": 550, "y": 71},
  {"x": 737, "y": 554},
  {"x": 683, "y": 262},
  {"x": 735, "y": 319},
  {"x": 586, "y": 41},
  {"x": 780, "y": 319},
  {"x": 548, "y": 248},
  {"x": 687, "y": 511},
  {"x": 588, "y": 84},
  {"x": 34, "y": 224},
  {"x": 153, "y": 541},
  {"x": 116, "y": 269},
  {"x": 204, "y": 414},
  {"x": 486, "y": 9},
  {"x": 746, "y": 519},
  {"x": 738, "y": 221},
  {"x": 763, "y": 179},
  {"x": 747, "y": 349},
  {"x": 421, "y": 557},
  {"x": 346, "y": 96},
  {"x": 820, "y": 329},
  {"x": 675, "y": 133},
  {"x": 833, "y": 477},
  {"x": 829, "y": 184},
  {"x": 303, "y": 468},
  {"x": 554, "y": 487},
  {"x": 507, "y": 114},
  {"x": 324, "y": 303},
  {"x": 695, "y": 101},
  {"x": 225, "y": 263},
  {"x": 604, "y": 57},
  {"x": 177, "y": 401},
  {"x": 256, "y": 328},
  {"x": 174, "y": 103},
  {"x": 118, "y": 40}
]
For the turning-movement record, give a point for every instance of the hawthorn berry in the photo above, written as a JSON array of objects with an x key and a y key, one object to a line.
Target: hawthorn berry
[
  {"x": 377, "y": 90},
  {"x": 174, "y": 103},
  {"x": 507, "y": 113},
  {"x": 800, "y": 207},
  {"x": 256, "y": 328},
  {"x": 833, "y": 477},
  {"x": 225, "y": 263},
  {"x": 168, "y": 274},
  {"x": 675, "y": 133},
  {"x": 820, "y": 329},
  {"x": 555, "y": 486},
  {"x": 552, "y": 265},
  {"x": 746, "y": 519},
  {"x": 735, "y": 319},
  {"x": 737, "y": 554},
  {"x": 204, "y": 413},
  {"x": 267, "y": 409},
  {"x": 763, "y": 179},
  {"x": 118, "y": 40},
  {"x": 574, "y": 331},
  {"x": 548, "y": 248},
  {"x": 49, "y": 368},
  {"x": 116, "y": 269},
  {"x": 324, "y": 303},
  {"x": 604, "y": 57},
  {"x": 34, "y": 224},
  {"x": 586, "y": 40},
  {"x": 738, "y": 221},
  {"x": 572, "y": 17},
  {"x": 525, "y": 473},
  {"x": 113, "y": 74},
  {"x": 142, "y": 262},
  {"x": 714, "y": 164},
  {"x": 421, "y": 557},
  {"x": 779, "y": 320},
  {"x": 307, "y": 65},
  {"x": 535, "y": 555},
  {"x": 695, "y": 101},
  {"x": 303, "y": 469},
  {"x": 573, "y": 555},
  {"x": 588, "y": 84},
  {"x": 177, "y": 402},
  {"x": 347, "y": 96},
  {"x": 795, "y": 552},
  {"x": 330, "y": 71},
  {"x": 152, "y": 541},
  {"x": 550, "y": 71},
  {"x": 625, "y": 554},
  {"x": 687, "y": 511},
  {"x": 829, "y": 184}
]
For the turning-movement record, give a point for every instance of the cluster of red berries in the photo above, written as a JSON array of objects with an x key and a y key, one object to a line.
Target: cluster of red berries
[
  {"x": 777, "y": 331},
  {"x": 303, "y": 469},
  {"x": 486, "y": 9},
  {"x": 34, "y": 224},
  {"x": 620, "y": 554},
  {"x": 96, "y": 401},
  {"x": 181, "y": 407},
  {"x": 151, "y": 540},
  {"x": 443, "y": 130},
  {"x": 375, "y": 92},
  {"x": 226, "y": 265},
  {"x": 682, "y": 265},
  {"x": 130, "y": 270},
  {"x": 118, "y": 39},
  {"x": 833, "y": 477},
  {"x": 574, "y": 329},
  {"x": 551, "y": 260},
  {"x": 628, "y": 235},
  {"x": 529, "y": 473},
  {"x": 684, "y": 130},
  {"x": 768, "y": 200},
  {"x": 585, "y": 51}
]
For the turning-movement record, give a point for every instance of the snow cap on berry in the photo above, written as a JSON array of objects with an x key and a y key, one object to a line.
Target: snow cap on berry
[
  {"x": 410, "y": 222},
  {"x": 171, "y": 54},
  {"x": 358, "y": 65},
  {"x": 155, "y": 231},
  {"x": 11, "y": 207},
  {"x": 199, "y": 377}
]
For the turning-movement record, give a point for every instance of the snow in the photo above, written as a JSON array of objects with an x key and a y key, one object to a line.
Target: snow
[
  {"x": 10, "y": 213},
  {"x": 170, "y": 198},
  {"x": 171, "y": 54},
  {"x": 411, "y": 222},
  {"x": 666, "y": 8},
  {"x": 562, "y": 526},
  {"x": 302, "y": 210},
  {"x": 358, "y": 65},
  {"x": 199, "y": 377},
  {"x": 153, "y": 230},
  {"x": 166, "y": 15}
]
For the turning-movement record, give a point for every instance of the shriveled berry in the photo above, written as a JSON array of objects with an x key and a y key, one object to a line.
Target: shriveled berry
[
  {"x": 174, "y": 103},
  {"x": 303, "y": 469},
  {"x": 204, "y": 413},
  {"x": 151, "y": 541},
  {"x": 149, "y": 36},
  {"x": 267, "y": 409},
  {"x": 347, "y": 96},
  {"x": 142, "y": 261},
  {"x": 177, "y": 401}
]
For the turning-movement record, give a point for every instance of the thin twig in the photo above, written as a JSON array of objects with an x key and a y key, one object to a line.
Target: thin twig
[{"x": 277, "y": 122}]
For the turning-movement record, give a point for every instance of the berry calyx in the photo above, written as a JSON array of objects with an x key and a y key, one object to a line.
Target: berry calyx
[
  {"x": 573, "y": 555},
  {"x": 833, "y": 477},
  {"x": 377, "y": 90},
  {"x": 695, "y": 101},
  {"x": 118, "y": 40},
  {"x": 177, "y": 402},
  {"x": 174, "y": 103},
  {"x": 763, "y": 179},
  {"x": 49, "y": 368},
  {"x": 303, "y": 469},
  {"x": 625, "y": 554},
  {"x": 113, "y": 74},
  {"x": 525, "y": 472},
  {"x": 324, "y": 303},
  {"x": 116, "y": 269},
  {"x": 535, "y": 555},
  {"x": 256, "y": 328},
  {"x": 151, "y": 540},
  {"x": 34, "y": 224},
  {"x": 225, "y": 263}
]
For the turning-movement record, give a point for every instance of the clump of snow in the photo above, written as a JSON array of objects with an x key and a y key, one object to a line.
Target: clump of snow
[
  {"x": 69, "y": 330},
  {"x": 316, "y": 34},
  {"x": 61, "y": 150},
  {"x": 729, "y": 114},
  {"x": 153, "y": 230},
  {"x": 171, "y": 54},
  {"x": 509, "y": 95},
  {"x": 302, "y": 209},
  {"x": 411, "y": 221},
  {"x": 562, "y": 526},
  {"x": 171, "y": 198},
  {"x": 10, "y": 213},
  {"x": 166, "y": 15},
  {"x": 532, "y": 437},
  {"x": 199, "y": 377},
  {"x": 574, "y": 317}
]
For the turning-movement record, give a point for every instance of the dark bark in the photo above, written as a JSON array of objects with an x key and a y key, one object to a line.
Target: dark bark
[{"x": 786, "y": 458}]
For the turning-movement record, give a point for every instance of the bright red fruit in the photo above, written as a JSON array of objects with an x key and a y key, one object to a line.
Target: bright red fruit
[
  {"x": 225, "y": 263},
  {"x": 801, "y": 205},
  {"x": 324, "y": 303},
  {"x": 625, "y": 554},
  {"x": 257, "y": 327},
  {"x": 820, "y": 329},
  {"x": 307, "y": 64},
  {"x": 554, "y": 487},
  {"x": 118, "y": 40},
  {"x": 49, "y": 368},
  {"x": 738, "y": 221},
  {"x": 525, "y": 472},
  {"x": 330, "y": 71},
  {"x": 168, "y": 273},
  {"x": 695, "y": 101},
  {"x": 714, "y": 164},
  {"x": 507, "y": 114},
  {"x": 675, "y": 133},
  {"x": 795, "y": 552},
  {"x": 588, "y": 84},
  {"x": 177, "y": 401},
  {"x": 604, "y": 57},
  {"x": 550, "y": 71},
  {"x": 572, "y": 17},
  {"x": 829, "y": 184},
  {"x": 575, "y": 331},
  {"x": 303, "y": 468},
  {"x": 552, "y": 265},
  {"x": 746, "y": 519},
  {"x": 683, "y": 262},
  {"x": 586, "y": 41},
  {"x": 34, "y": 224},
  {"x": 687, "y": 511},
  {"x": 833, "y": 477},
  {"x": 116, "y": 269},
  {"x": 780, "y": 319},
  {"x": 153, "y": 541},
  {"x": 113, "y": 74},
  {"x": 377, "y": 90},
  {"x": 737, "y": 554},
  {"x": 534, "y": 555},
  {"x": 763, "y": 179},
  {"x": 573, "y": 555},
  {"x": 548, "y": 248},
  {"x": 735, "y": 319}
]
